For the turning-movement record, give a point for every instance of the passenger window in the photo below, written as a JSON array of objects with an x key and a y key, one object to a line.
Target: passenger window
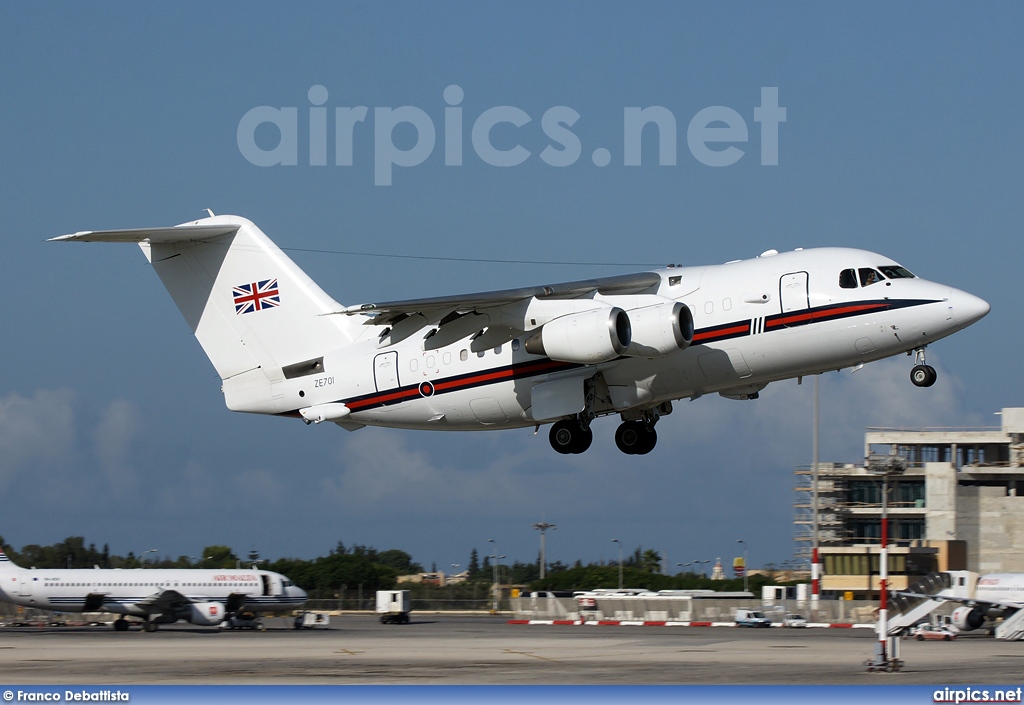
[
  {"x": 847, "y": 279},
  {"x": 515, "y": 343},
  {"x": 464, "y": 355},
  {"x": 869, "y": 276}
]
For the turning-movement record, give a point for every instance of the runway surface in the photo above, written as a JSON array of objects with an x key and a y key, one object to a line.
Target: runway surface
[{"x": 443, "y": 649}]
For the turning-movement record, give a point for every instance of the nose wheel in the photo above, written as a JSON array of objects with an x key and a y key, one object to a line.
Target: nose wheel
[{"x": 923, "y": 375}]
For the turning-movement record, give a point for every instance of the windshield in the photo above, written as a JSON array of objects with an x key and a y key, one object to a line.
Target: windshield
[{"x": 895, "y": 271}]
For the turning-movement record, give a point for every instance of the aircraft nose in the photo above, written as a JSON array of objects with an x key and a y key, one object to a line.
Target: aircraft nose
[{"x": 967, "y": 308}]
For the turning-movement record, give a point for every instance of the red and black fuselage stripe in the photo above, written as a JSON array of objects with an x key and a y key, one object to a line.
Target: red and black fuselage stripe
[{"x": 703, "y": 336}]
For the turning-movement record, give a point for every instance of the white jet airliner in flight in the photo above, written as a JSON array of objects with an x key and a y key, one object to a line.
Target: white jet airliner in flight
[
  {"x": 564, "y": 354},
  {"x": 156, "y": 596}
]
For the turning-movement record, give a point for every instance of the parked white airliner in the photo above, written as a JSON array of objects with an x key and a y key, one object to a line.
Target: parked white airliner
[
  {"x": 565, "y": 353},
  {"x": 156, "y": 596},
  {"x": 997, "y": 596}
]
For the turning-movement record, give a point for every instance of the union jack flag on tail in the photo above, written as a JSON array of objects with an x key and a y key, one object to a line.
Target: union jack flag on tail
[{"x": 256, "y": 296}]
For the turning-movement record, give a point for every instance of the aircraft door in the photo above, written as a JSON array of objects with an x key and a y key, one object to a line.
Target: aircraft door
[
  {"x": 385, "y": 371},
  {"x": 26, "y": 587},
  {"x": 793, "y": 292}
]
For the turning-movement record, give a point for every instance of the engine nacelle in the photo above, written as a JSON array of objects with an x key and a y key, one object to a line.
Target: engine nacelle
[
  {"x": 967, "y": 618},
  {"x": 660, "y": 330},
  {"x": 589, "y": 337},
  {"x": 205, "y": 614}
]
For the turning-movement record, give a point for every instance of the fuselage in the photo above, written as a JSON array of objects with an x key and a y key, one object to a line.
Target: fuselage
[
  {"x": 776, "y": 317},
  {"x": 1001, "y": 587},
  {"x": 127, "y": 591}
]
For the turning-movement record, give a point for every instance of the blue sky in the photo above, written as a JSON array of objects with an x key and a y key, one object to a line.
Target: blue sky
[{"x": 902, "y": 136}]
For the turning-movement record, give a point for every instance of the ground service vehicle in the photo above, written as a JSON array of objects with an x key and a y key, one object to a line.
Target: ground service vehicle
[
  {"x": 752, "y": 618},
  {"x": 393, "y": 606}
]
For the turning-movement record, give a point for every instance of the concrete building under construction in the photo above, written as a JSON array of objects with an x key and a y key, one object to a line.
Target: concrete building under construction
[{"x": 957, "y": 505}]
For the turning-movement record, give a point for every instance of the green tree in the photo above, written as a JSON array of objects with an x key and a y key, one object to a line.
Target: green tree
[
  {"x": 651, "y": 561},
  {"x": 218, "y": 556}
]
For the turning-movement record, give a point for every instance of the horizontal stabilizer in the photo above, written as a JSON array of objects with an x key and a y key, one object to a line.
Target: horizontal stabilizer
[{"x": 181, "y": 233}]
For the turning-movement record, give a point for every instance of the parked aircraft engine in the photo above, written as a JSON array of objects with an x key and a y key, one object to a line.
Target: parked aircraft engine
[
  {"x": 205, "y": 614},
  {"x": 598, "y": 335},
  {"x": 968, "y": 618},
  {"x": 660, "y": 330}
]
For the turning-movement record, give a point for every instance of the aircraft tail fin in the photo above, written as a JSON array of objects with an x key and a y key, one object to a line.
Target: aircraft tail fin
[
  {"x": 6, "y": 564},
  {"x": 253, "y": 310}
]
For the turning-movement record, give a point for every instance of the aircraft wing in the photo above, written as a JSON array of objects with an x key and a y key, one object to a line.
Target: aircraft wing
[
  {"x": 171, "y": 600},
  {"x": 1005, "y": 604},
  {"x": 390, "y": 312},
  {"x": 165, "y": 601}
]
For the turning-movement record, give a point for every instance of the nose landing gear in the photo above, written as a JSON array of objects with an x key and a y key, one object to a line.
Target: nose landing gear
[{"x": 922, "y": 375}]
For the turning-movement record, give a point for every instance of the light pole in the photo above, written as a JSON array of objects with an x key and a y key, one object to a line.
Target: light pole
[
  {"x": 746, "y": 568},
  {"x": 702, "y": 564},
  {"x": 451, "y": 585},
  {"x": 887, "y": 650},
  {"x": 142, "y": 559},
  {"x": 620, "y": 561},
  {"x": 542, "y": 527},
  {"x": 494, "y": 586}
]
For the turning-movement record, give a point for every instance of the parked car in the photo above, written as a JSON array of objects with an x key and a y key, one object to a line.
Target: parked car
[
  {"x": 924, "y": 632},
  {"x": 752, "y": 618},
  {"x": 794, "y": 620}
]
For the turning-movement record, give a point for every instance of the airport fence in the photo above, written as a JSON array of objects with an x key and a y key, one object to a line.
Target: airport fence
[
  {"x": 543, "y": 606},
  {"x": 418, "y": 605}
]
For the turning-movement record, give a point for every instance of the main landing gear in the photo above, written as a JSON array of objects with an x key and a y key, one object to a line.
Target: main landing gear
[
  {"x": 636, "y": 437},
  {"x": 633, "y": 437},
  {"x": 922, "y": 375},
  {"x": 571, "y": 436}
]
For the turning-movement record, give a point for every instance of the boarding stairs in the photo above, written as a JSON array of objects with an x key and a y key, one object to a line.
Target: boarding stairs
[
  {"x": 904, "y": 611},
  {"x": 1012, "y": 628}
]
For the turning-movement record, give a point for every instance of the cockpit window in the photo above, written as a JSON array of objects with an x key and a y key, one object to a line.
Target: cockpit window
[
  {"x": 848, "y": 279},
  {"x": 869, "y": 276},
  {"x": 896, "y": 272}
]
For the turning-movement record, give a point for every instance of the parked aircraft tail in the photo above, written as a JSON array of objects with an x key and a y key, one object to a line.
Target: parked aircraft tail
[
  {"x": 6, "y": 564},
  {"x": 251, "y": 308}
]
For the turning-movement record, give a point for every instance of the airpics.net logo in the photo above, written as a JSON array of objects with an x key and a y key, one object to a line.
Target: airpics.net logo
[{"x": 712, "y": 134}]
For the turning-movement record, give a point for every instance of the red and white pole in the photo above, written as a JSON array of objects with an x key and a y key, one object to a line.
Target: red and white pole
[
  {"x": 883, "y": 579},
  {"x": 815, "y": 576}
]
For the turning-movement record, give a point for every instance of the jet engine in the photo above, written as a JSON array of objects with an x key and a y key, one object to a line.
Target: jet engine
[
  {"x": 205, "y": 614},
  {"x": 660, "y": 330},
  {"x": 967, "y": 618},
  {"x": 589, "y": 337}
]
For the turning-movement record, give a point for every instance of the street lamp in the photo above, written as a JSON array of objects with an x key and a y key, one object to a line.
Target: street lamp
[
  {"x": 887, "y": 650},
  {"x": 494, "y": 586},
  {"x": 542, "y": 527},
  {"x": 746, "y": 568},
  {"x": 702, "y": 564},
  {"x": 620, "y": 561},
  {"x": 143, "y": 560}
]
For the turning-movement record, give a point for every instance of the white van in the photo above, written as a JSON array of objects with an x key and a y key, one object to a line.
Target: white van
[{"x": 752, "y": 618}]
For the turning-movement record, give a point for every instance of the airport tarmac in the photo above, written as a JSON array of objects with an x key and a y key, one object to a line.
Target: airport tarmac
[{"x": 448, "y": 649}]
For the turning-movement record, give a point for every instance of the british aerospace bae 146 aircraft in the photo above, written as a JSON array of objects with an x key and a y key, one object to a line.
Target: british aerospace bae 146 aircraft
[
  {"x": 565, "y": 354},
  {"x": 156, "y": 596}
]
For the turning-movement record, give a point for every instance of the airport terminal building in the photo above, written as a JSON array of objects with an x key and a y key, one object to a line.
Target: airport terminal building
[{"x": 957, "y": 505}]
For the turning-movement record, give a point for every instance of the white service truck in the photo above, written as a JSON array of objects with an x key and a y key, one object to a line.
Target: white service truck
[{"x": 393, "y": 606}]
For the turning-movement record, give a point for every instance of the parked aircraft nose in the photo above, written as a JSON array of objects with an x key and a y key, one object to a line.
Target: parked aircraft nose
[{"x": 967, "y": 308}]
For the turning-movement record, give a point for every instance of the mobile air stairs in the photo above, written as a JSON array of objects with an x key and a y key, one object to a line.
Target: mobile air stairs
[
  {"x": 1012, "y": 629},
  {"x": 906, "y": 610}
]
